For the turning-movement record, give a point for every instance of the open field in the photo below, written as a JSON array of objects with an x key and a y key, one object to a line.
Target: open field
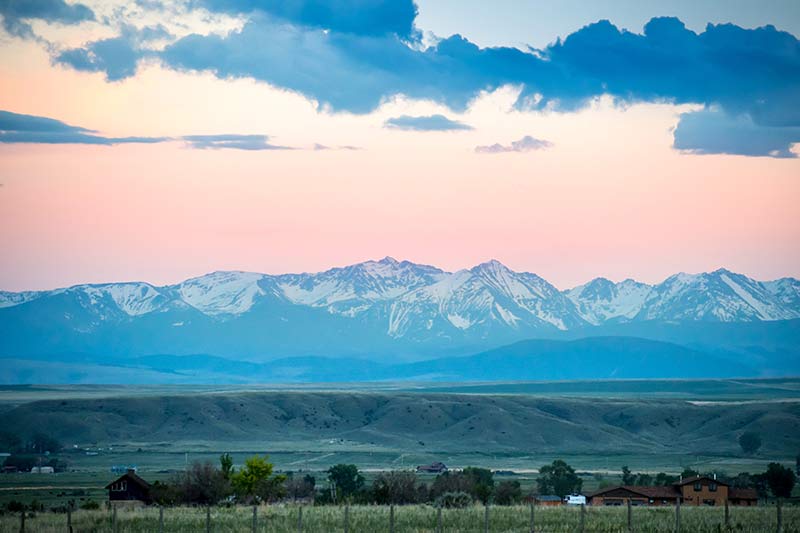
[
  {"x": 417, "y": 519},
  {"x": 597, "y": 427}
]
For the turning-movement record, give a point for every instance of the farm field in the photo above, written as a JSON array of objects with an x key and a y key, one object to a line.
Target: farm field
[
  {"x": 650, "y": 426},
  {"x": 415, "y": 519}
]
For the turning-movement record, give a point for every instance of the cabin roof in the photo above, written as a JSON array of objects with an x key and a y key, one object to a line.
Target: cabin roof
[{"x": 131, "y": 476}]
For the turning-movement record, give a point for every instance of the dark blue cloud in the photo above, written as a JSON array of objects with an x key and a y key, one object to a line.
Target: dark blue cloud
[
  {"x": 361, "y": 60},
  {"x": 363, "y": 17},
  {"x": 238, "y": 142},
  {"x": 18, "y": 128},
  {"x": 426, "y": 123},
  {"x": 526, "y": 144},
  {"x": 16, "y": 14},
  {"x": 716, "y": 132},
  {"x": 117, "y": 57}
]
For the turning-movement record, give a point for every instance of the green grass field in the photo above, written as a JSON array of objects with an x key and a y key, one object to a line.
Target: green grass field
[
  {"x": 415, "y": 519},
  {"x": 597, "y": 427}
]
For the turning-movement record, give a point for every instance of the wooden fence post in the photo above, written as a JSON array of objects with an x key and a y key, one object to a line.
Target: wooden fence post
[
  {"x": 533, "y": 518},
  {"x": 208, "y": 519},
  {"x": 22, "y": 522},
  {"x": 300, "y": 519},
  {"x": 160, "y": 519},
  {"x": 439, "y": 520},
  {"x": 391, "y": 519},
  {"x": 69, "y": 519},
  {"x": 255, "y": 518},
  {"x": 727, "y": 515},
  {"x": 630, "y": 516},
  {"x": 486, "y": 518},
  {"x": 583, "y": 517},
  {"x": 678, "y": 516},
  {"x": 114, "y": 527},
  {"x": 780, "y": 516},
  {"x": 347, "y": 518}
]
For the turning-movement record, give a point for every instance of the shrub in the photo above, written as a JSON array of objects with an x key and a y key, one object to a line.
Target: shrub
[
  {"x": 507, "y": 493},
  {"x": 91, "y": 505},
  {"x": 454, "y": 500}
]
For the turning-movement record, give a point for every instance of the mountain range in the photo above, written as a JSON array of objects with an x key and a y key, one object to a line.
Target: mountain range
[{"x": 372, "y": 309}]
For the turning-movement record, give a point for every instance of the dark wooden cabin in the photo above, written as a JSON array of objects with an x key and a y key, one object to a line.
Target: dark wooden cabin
[{"x": 129, "y": 487}]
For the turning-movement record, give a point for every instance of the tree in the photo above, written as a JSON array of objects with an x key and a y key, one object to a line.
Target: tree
[
  {"x": 226, "y": 465},
  {"x": 300, "y": 487},
  {"x": 507, "y": 493},
  {"x": 688, "y": 472},
  {"x": 558, "y": 478},
  {"x": 482, "y": 482},
  {"x": 628, "y": 478},
  {"x": 41, "y": 443},
  {"x": 643, "y": 480},
  {"x": 345, "y": 480},
  {"x": 780, "y": 480},
  {"x": 664, "y": 480},
  {"x": 255, "y": 480},
  {"x": 203, "y": 484},
  {"x": 750, "y": 442},
  {"x": 395, "y": 487}
]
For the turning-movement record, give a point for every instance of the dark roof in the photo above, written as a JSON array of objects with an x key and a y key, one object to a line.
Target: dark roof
[
  {"x": 643, "y": 491},
  {"x": 548, "y": 498},
  {"x": 130, "y": 475},
  {"x": 694, "y": 479},
  {"x": 742, "y": 494}
]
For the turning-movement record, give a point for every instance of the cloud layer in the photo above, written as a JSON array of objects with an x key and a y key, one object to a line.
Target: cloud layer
[
  {"x": 18, "y": 128},
  {"x": 426, "y": 123},
  {"x": 17, "y": 14},
  {"x": 526, "y": 144},
  {"x": 230, "y": 140}
]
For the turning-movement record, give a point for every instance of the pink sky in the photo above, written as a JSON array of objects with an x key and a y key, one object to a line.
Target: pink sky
[{"x": 611, "y": 197}]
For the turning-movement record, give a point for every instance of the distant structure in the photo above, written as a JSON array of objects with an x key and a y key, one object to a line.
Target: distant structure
[
  {"x": 433, "y": 468},
  {"x": 129, "y": 487},
  {"x": 548, "y": 500},
  {"x": 700, "y": 490},
  {"x": 43, "y": 470}
]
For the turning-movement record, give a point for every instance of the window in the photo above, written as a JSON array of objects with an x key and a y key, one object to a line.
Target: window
[
  {"x": 709, "y": 502},
  {"x": 698, "y": 487},
  {"x": 712, "y": 487},
  {"x": 119, "y": 486}
]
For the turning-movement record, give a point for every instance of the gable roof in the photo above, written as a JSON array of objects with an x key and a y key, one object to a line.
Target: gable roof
[
  {"x": 742, "y": 494},
  {"x": 695, "y": 479},
  {"x": 131, "y": 476},
  {"x": 650, "y": 492}
]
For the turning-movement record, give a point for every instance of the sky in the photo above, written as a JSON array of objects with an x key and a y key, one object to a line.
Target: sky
[{"x": 158, "y": 141}]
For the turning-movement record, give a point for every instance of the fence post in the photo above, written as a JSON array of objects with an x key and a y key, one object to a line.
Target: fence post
[
  {"x": 208, "y": 519},
  {"x": 347, "y": 518},
  {"x": 391, "y": 518},
  {"x": 255, "y": 518},
  {"x": 160, "y": 519},
  {"x": 22, "y": 522},
  {"x": 678, "y": 516},
  {"x": 533, "y": 522},
  {"x": 486, "y": 518},
  {"x": 114, "y": 527},
  {"x": 583, "y": 517},
  {"x": 630, "y": 516},
  {"x": 780, "y": 516},
  {"x": 439, "y": 520},
  {"x": 69, "y": 519},
  {"x": 300, "y": 519},
  {"x": 727, "y": 515}
]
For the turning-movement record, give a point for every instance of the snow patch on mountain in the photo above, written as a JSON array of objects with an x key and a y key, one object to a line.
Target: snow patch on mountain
[
  {"x": 222, "y": 293},
  {"x": 602, "y": 300}
]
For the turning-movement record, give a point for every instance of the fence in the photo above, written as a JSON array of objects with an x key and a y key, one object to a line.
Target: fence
[{"x": 415, "y": 518}]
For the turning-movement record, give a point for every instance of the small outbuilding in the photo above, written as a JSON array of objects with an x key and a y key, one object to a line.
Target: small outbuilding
[
  {"x": 548, "y": 500},
  {"x": 129, "y": 487},
  {"x": 433, "y": 468},
  {"x": 43, "y": 470}
]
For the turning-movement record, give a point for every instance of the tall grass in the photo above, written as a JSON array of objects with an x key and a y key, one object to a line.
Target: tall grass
[{"x": 412, "y": 519}]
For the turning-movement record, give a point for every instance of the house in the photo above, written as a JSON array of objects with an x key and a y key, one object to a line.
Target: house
[
  {"x": 129, "y": 487},
  {"x": 548, "y": 500},
  {"x": 699, "y": 490},
  {"x": 9, "y": 470},
  {"x": 433, "y": 468}
]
